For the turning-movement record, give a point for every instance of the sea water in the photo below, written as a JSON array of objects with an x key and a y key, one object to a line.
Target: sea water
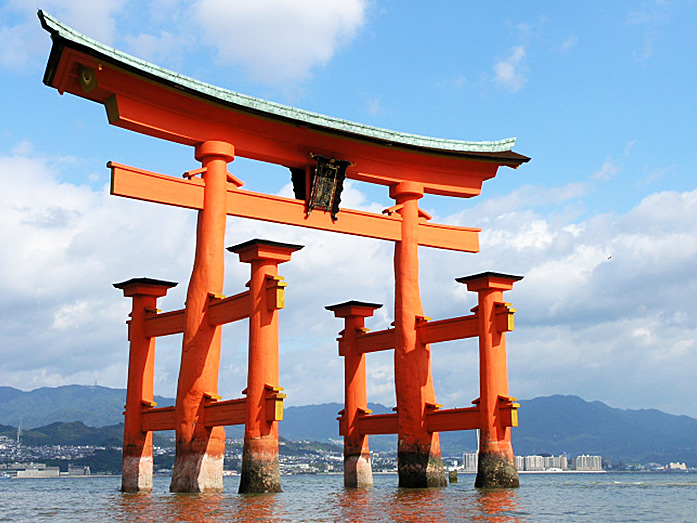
[{"x": 321, "y": 498}]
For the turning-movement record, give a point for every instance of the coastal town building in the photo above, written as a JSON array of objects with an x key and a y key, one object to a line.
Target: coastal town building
[
  {"x": 470, "y": 462},
  {"x": 587, "y": 463}
]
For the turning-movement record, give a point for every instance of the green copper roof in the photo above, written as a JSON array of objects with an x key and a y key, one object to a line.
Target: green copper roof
[{"x": 64, "y": 34}]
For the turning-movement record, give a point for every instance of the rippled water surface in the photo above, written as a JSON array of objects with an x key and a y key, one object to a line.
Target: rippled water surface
[{"x": 543, "y": 497}]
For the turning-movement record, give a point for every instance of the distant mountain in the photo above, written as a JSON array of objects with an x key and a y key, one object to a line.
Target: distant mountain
[
  {"x": 557, "y": 424},
  {"x": 73, "y": 433},
  {"x": 318, "y": 423},
  {"x": 94, "y": 406},
  {"x": 552, "y": 424}
]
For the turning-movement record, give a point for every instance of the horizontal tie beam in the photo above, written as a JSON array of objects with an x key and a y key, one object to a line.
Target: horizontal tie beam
[
  {"x": 131, "y": 182},
  {"x": 433, "y": 331},
  {"x": 227, "y": 310},
  {"x": 448, "y": 330},
  {"x": 437, "y": 420},
  {"x": 164, "y": 324},
  {"x": 229, "y": 412},
  {"x": 162, "y": 418},
  {"x": 220, "y": 312}
]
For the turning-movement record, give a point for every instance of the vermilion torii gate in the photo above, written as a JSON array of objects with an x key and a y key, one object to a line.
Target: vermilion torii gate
[{"x": 221, "y": 124}]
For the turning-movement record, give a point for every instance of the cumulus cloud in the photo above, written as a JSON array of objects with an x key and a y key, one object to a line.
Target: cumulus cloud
[
  {"x": 603, "y": 310},
  {"x": 279, "y": 40},
  {"x": 510, "y": 73},
  {"x": 599, "y": 295}
]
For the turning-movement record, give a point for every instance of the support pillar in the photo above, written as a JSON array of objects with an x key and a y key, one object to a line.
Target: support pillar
[
  {"x": 198, "y": 465},
  {"x": 419, "y": 458},
  {"x": 496, "y": 466},
  {"x": 358, "y": 471},
  {"x": 260, "y": 470},
  {"x": 137, "y": 443}
]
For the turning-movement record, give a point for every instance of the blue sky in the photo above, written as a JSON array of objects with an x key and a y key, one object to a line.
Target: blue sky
[{"x": 602, "y": 222}]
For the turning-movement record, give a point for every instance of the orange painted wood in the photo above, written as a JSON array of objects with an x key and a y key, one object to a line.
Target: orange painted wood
[
  {"x": 227, "y": 310},
  {"x": 378, "y": 424},
  {"x": 131, "y": 182},
  {"x": 503, "y": 317},
  {"x": 453, "y": 419},
  {"x": 375, "y": 341},
  {"x": 162, "y": 418},
  {"x": 229, "y": 412},
  {"x": 448, "y": 330},
  {"x": 164, "y": 324}
]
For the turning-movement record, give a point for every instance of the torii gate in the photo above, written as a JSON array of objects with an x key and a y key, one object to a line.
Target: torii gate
[{"x": 220, "y": 124}]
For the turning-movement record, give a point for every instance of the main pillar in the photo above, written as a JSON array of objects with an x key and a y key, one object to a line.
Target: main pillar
[
  {"x": 496, "y": 466},
  {"x": 260, "y": 470},
  {"x": 198, "y": 465},
  {"x": 419, "y": 457},
  {"x": 357, "y": 468},
  {"x": 137, "y": 443}
]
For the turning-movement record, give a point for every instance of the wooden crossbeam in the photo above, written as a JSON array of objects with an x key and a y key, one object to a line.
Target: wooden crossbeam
[
  {"x": 131, "y": 182},
  {"x": 375, "y": 341},
  {"x": 228, "y": 412},
  {"x": 162, "y": 418},
  {"x": 444, "y": 420},
  {"x": 164, "y": 324},
  {"x": 429, "y": 332},
  {"x": 453, "y": 419},
  {"x": 448, "y": 330},
  {"x": 220, "y": 312},
  {"x": 227, "y": 310}
]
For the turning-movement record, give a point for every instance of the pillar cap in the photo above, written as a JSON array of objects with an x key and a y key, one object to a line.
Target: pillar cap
[
  {"x": 258, "y": 249},
  {"x": 407, "y": 188},
  {"x": 354, "y": 308},
  {"x": 214, "y": 148},
  {"x": 489, "y": 280},
  {"x": 146, "y": 286}
]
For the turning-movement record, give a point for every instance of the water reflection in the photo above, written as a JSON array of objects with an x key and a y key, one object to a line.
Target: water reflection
[
  {"x": 499, "y": 505},
  {"x": 260, "y": 507},
  {"x": 407, "y": 505},
  {"x": 356, "y": 505},
  {"x": 318, "y": 500},
  {"x": 193, "y": 508}
]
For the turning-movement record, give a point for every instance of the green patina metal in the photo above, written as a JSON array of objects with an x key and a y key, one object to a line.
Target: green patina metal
[{"x": 61, "y": 32}]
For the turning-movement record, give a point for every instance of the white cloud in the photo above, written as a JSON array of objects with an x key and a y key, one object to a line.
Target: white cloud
[
  {"x": 607, "y": 171},
  {"x": 510, "y": 73},
  {"x": 279, "y": 40},
  {"x": 599, "y": 295},
  {"x": 570, "y": 42},
  {"x": 162, "y": 48},
  {"x": 95, "y": 18}
]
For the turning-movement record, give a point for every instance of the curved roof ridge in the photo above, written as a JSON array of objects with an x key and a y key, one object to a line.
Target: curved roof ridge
[{"x": 274, "y": 109}]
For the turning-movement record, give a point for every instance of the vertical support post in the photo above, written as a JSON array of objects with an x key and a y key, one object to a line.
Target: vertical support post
[
  {"x": 496, "y": 466},
  {"x": 137, "y": 443},
  {"x": 358, "y": 471},
  {"x": 260, "y": 470},
  {"x": 419, "y": 458},
  {"x": 198, "y": 465}
]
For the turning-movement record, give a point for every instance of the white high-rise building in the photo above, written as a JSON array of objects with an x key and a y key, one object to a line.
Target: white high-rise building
[
  {"x": 470, "y": 460},
  {"x": 588, "y": 463},
  {"x": 534, "y": 463}
]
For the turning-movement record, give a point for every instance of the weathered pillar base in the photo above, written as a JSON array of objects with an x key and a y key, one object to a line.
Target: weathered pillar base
[
  {"x": 358, "y": 472},
  {"x": 197, "y": 473},
  {"x": 136, "y": 475},
  {"x": 260, "y": 471},
  {"x": 496, "y": 470},
  {"x": 420, "y": 470}
]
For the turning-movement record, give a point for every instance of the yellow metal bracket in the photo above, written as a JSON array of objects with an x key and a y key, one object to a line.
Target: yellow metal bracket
[{"x": 275, "y": 292}]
